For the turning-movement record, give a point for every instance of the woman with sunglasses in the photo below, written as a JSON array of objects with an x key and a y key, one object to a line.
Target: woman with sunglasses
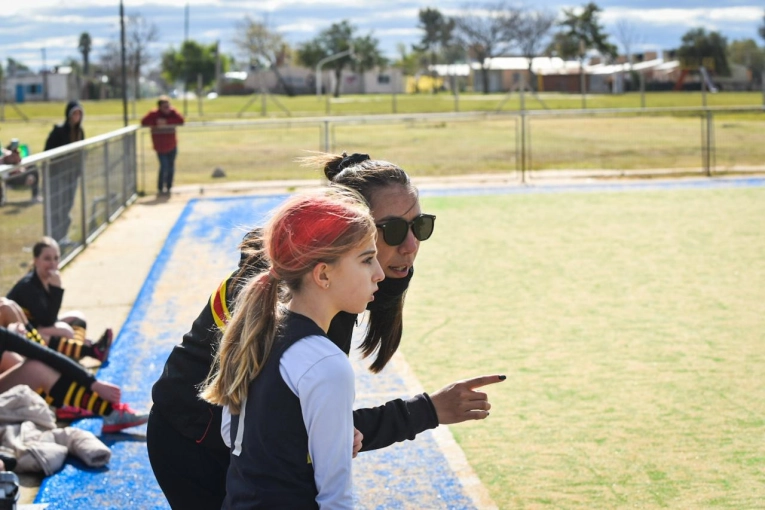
[{"x": 184, "y": 439}]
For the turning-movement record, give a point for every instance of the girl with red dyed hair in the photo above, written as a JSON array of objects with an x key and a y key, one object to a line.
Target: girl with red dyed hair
[{"x": 289, "y": 388}]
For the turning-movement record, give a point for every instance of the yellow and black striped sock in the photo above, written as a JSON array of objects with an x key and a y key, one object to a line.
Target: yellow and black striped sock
[
  {"x": 71, "y": 347},
  {"x": 67, "y": 392},
  {"x": 34, "y": 335},
  {"x": 79, "y": 334}
]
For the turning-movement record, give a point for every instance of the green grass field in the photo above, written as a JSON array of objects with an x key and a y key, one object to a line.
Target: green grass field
[
  {"x": 20, "y": 227},
  {"x": 631, "y": 327}
]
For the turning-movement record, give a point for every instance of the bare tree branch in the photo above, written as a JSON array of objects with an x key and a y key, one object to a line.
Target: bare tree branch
[
  {"x": 532, "y": 32},
  {"x": 140, "y": 34},
  {"x": 260, "y": 43},
  {"x": 628, "y": 37},
  {"x": 487, "y": 32}
]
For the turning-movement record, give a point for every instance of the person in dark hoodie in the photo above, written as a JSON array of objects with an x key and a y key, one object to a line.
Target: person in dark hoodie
[
  {"x": 65, "y": 170},
  {"x": 162, "y": 121}
]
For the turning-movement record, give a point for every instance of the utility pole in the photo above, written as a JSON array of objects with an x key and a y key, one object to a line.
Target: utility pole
[
  {"x": 185, "y": 63},
  {"x": 44, "y": 76},
  {"x": 217, "y": 66},
  {"x": 124, "y": 65}
]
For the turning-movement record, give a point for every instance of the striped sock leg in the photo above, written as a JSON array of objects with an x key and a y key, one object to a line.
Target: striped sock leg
[
  {"x": 34, "y": 335},
  {"x": 67, "y": 392},
  {"x": 69, "y": 347}
]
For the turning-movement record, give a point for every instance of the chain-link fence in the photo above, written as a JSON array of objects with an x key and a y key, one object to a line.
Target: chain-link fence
[
  {"x": 671, "y": 141},
  {"x": 84, "y": 186}
]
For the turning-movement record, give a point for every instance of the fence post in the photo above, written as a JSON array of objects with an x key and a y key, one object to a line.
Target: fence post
[
  {"x": 710, "y": 143},
  {"x": 703, "y": 88},
  {"x": 143, "y": 165},
  {"x": 47, "y": 204},
  {"x": 326, "y": 136},
  {"x": 523, "y": 146},
  {"x": 128, "y": 148},
  {"x": 706, "y": 140},
  {"x": 106, "y": 182},
  {"x": 83, "y": 207}
]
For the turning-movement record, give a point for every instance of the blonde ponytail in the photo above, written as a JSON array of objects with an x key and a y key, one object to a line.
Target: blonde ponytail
[{"x": 246, "y": 343}]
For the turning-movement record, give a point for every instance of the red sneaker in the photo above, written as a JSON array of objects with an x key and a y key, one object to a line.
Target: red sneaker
[
  {"x": 122, "y": 417},
  {"x": 103, "y": 346},
  {"x": 69, "y": 413}
]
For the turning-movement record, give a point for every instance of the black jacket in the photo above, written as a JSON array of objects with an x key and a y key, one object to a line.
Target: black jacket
[
  {"x": 175, "y": 393},
  {"x": 60, "y": 135},
  {"x": 40, "y": 306}
]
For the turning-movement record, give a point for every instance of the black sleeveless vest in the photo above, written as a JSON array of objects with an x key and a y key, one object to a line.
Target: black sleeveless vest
[{"x": 270, "y": 465}]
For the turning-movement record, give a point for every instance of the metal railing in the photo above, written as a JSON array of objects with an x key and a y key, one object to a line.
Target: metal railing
[{"x": 85, "y": 185}]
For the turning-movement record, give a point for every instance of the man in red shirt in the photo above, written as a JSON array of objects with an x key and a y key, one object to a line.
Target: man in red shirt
[{"x": 163, "y": 121}]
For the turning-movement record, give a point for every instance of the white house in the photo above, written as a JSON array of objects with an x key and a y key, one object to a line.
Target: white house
[
  {"x": 302, "y": 80},
  {"x": 61, "y": 86}
]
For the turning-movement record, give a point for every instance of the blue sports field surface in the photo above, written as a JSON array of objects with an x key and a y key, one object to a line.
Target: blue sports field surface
[{"x": 200, "y": 251}]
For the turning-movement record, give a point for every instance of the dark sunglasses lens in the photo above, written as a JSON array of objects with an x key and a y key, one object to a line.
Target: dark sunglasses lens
[
  {"x": 394, "y": 231},
  {"x": 423, "y": 227}
]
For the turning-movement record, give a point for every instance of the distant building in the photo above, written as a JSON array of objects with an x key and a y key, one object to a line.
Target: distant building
[
  {"x": 58, "y": 85},
  {"x": 302, "y": 80}
]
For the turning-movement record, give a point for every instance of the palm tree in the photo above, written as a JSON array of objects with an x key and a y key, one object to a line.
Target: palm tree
[{"x": 84, "y": 48}]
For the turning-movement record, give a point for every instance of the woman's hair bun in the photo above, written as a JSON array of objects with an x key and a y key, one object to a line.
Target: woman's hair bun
[{"x": 339, "y": 164}]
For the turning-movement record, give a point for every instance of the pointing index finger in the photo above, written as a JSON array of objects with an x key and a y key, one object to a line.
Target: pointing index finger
[{"x": 484, "y": 380}]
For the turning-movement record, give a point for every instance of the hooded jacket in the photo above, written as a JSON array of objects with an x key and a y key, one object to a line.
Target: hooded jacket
[
  {"x": 163, "y": 137},
  {"x": 66, "y": 133}
]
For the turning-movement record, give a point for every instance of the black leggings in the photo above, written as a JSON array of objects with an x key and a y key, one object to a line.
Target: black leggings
[{"x": 189, "y": 474}]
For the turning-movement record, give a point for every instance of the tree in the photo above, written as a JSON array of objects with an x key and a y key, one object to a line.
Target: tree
[
  {"x": 139, "y": 34},
  {"x": 74, "y": 63},
  {"x": 438, "y": 36},
  {"x": 532, "y": 30},
  {"x": 110, "y": 67},
  {"x": 332, "y": 41},
  {"x": 191, "y": 60},
  {"x": 14, "y": 66},
  {"x": 580, "y": 33},
  {"x": 261, "y": 44},
  {"x": 746, "y": 53},
  {"x": 367, "y": 56},
  {"x": 488, "y": 33},
  {"x": 762, "y": 27},
  {"x": 628, "y": 36},
  {"x": 408, "y": 62},
  {"x": 709, "y": 49},
  {"x": 85, "y": 46}
]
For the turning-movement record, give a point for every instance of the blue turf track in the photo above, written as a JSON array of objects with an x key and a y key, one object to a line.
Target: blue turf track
[{"x": 410, "y": 475}]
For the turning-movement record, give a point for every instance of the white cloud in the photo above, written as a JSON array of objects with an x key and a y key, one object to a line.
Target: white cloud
[
  {"x": 405, "y": 32},
  {"x": 685, "y": 17},
  {"x": 73, "y": 19},
  {"x": 303, "y": 26}
]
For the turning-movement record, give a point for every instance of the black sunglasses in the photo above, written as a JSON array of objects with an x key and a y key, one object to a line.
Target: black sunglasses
[{"x": 396, "y": 229}]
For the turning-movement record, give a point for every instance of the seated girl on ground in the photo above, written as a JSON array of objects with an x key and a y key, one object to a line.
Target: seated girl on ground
[
  {"x": 40, "y": 294},
  {"x": 289, "y": 388},
  {"x": 62, "y": 382}
]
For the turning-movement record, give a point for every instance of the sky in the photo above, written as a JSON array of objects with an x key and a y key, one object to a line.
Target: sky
[{"x": 30, "y": 29}]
